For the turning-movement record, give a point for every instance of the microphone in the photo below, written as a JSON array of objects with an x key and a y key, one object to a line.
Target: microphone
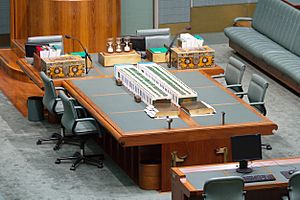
[
  {"x": 187, "y": 28},
  {"x": 86, "y": 56}
]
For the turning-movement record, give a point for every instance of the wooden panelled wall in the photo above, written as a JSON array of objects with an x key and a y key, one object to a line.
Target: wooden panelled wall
[{"x": 91, "y": 21}]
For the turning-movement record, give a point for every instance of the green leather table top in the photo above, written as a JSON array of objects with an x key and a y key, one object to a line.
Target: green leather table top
[
  {"x": 197, "y": 179},
  {"x": 119, "y": 105}
]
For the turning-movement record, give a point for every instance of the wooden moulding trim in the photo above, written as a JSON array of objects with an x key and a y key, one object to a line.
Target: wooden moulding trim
[
  {"x": 195, "y": 134},
  {"x": 268, "y": 69},
  {"x": 91, "y": 107},
  {"x": 189, "y": 189},
  {"x": 19, "y": 47},
  {"x": 30, "y": 72},
  {"x": 232, "y": 165}
]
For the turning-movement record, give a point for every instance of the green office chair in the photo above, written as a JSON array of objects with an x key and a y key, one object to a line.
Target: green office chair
[
  {"x": 82, "y": 128},
  {"x": 53, "y": 104},
  {"x": 256, "y": 93},
  {"x": 224, "y": 188},
  {"x": 233, "y": 75},
  {"x": 294, "y": 187},
  {"x": 256, "y": 96}
]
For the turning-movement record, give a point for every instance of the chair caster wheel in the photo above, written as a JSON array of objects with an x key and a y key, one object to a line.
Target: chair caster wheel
[
  {"x": 100, "y": 165},
  {"x": 38, "y": 142},
  {"x": 57, "y": 161},
  {"x": 72, "y": 168},
  {"x": 55, "y": 148}
]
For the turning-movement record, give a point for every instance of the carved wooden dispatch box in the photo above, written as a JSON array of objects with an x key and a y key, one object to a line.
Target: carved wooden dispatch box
[
  {"x": 63, "y": 66},
  {"x": 193, "y": 59}
]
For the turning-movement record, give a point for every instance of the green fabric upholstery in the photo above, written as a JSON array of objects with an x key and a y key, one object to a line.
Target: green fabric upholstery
[
  {"x": 274, "y": 37},
  {"x": 284, "y": 61},
  {"x": 251, "y": 40},
  {"x": 155, "y": 38},
  {"x": 50, "y": 99},
  {"x": 256, "y": 92},
  {"x": 294, "y": 186},
  {"x": 279, "y": 21},
  {"x": 224, "y": 188},
  {"x": 71, "y": 122}
]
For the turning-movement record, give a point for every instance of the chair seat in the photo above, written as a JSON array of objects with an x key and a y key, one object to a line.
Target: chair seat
[
  {"x": 85, "y": 127},
  {"x": 252, "y": 40}
]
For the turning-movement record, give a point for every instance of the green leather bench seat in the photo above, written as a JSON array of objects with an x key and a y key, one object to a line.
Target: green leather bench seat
[
  {"x": 274, "y": 39},
  {"x": 251, "y": 40},
  {"x": 284, "y": 61}
]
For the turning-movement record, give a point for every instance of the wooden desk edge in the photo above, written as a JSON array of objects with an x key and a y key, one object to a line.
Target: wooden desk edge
[{"x": 179, "y": 174}]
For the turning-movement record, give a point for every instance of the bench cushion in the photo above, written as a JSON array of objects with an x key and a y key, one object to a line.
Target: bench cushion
[
  {"x": 280, "y": 22},
  {"x": 286, "y": 62},
  {"x": 251, "y": 40}
]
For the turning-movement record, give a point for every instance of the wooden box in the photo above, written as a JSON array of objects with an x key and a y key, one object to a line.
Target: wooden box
[
  {"x": 156, "y": 55},
  {"x": 63, "y": 66},
  {"x": 193, "y": 59},
  {"x": 111, "y": 59}
]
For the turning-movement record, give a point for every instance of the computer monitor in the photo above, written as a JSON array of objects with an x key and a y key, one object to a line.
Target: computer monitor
[{"x": 244, "y": 149}]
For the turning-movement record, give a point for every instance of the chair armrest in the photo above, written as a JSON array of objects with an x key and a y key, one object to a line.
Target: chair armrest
[
  {"x": 241, "y": 93},
  {"x": 234, "y": 85},
  {"x": 85, "y": 119},
  {"x": 60, "y": 88},
  {"x": 218, "y": 76},
  {"x": 82, "y": 109},
  {"x": 256, "y": 103},
  {"x": 238, "y": 19},
  {"x": 242, "y": 21},
  {"x": 57, "y": 99}
]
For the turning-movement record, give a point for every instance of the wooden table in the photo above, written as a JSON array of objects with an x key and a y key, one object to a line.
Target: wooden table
[
  {"x": 187, "y": 182},
  {"x": 294, "y": 3},
  {"x": 136, "y": 138},
  {"x": 131, "y": 137}
]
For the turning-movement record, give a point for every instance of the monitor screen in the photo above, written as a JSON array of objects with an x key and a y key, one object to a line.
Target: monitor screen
[
  {"x": 138, "y": 43},
  {"x": 246, "y": 147}
]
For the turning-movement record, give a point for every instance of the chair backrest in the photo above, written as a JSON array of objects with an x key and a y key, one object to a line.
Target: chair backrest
[
  {"x": 155, "y": 38},
  {"x": 49, "y": 98},
  {"x": 294, "y": 186},
  {"x": 224, "y": 188},
  {"x": 70, "y": 114},
  {"x": 51, "y": 40},
  {"x": 234, "y": 71},
  {"x": 257, "y": 90}
]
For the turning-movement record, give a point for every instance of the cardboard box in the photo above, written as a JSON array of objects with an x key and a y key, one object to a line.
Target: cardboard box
[
  {"x": 193, "y": 59},
  {"x": 63, "y": 66}
]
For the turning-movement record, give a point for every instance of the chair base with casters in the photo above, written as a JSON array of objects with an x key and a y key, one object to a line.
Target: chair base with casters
[
  {"x": 80, "y": 157},
  {"x": 59, "y": 141}
]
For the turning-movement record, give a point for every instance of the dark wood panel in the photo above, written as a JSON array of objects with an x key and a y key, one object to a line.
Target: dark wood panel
[{"x": 91, "y": 21}]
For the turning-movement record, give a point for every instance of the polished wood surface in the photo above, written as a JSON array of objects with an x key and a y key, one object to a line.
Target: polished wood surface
[
  {"x": 261, "y": 64},
  {"x": 91, "y": 21},
  {"x": 8, "y": 62},
  {"x": 182, "y": 189},
  {"x": 294, "y": 3},
  {"x": 194, "y": 132},
  {"x": 18, "y": 91},
  {"x": 198, "y": 142}
]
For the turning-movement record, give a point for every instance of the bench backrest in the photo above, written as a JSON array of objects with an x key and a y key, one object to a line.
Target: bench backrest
[{"x": 280, "y": 22}]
